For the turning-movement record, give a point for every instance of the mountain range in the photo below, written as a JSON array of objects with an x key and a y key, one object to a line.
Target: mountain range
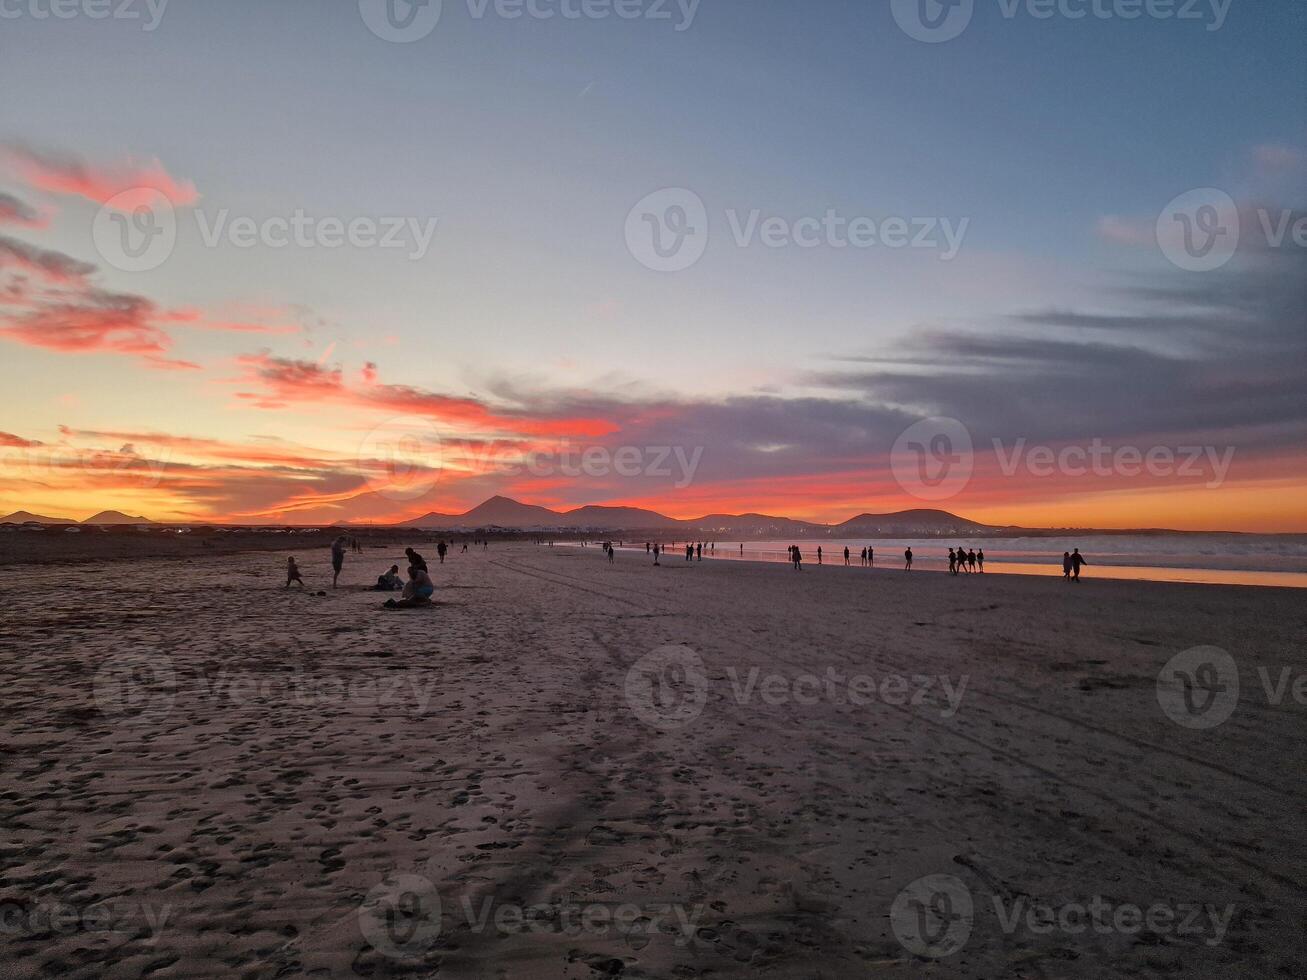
[
  {"x": 505, "y": 512},
  {"x": 105, "y": 517}
]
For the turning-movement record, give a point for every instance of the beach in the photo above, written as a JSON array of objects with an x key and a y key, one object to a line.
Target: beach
[{"x": 571, "y": 769}]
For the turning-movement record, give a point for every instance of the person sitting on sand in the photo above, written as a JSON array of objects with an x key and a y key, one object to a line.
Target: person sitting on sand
[
  {"x": 390, "y": 582},
  {"x": 414, "y": 560},
  {"x": 293, "y": 573},
  {"x": 417, "y": 592}
]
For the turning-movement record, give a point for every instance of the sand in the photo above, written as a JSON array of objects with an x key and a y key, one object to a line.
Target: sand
[{"x": 874, "y": 774}]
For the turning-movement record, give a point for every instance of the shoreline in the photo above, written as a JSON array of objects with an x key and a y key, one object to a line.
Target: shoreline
[{"x": 1171, "y": 575}]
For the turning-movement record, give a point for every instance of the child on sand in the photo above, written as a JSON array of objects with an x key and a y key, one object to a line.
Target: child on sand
[
  {"x": 293, "y": 573},
  {"x": 390, "y": 582}
]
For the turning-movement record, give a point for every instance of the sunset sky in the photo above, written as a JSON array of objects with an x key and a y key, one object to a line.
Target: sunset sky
[{"x": 514, "y": 327}]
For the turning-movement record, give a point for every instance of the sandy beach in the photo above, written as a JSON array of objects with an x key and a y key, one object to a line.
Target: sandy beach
[{"x": 567, "y": 769}]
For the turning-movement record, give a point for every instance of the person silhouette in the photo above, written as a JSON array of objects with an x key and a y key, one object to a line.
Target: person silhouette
[
  {"x": 980, "y": 560},
  {"x": 1077, "y": 559},
  {"x": 952, "y": 562},
  {"x": 798, "y": 558},
  {"x": 846, "y": 555},
  {"x": 337, "y": 559},
  {"x": 907, "y": 559},
  {"x": 971, "y": 560},
  {"x": 818, "y": 554},
  {"x": 1066, "y": 566}
]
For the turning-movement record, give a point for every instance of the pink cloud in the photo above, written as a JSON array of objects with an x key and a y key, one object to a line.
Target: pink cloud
[
  {"x": 14, "y": 211},
  {"x": 64, "y": 174},
  {"x": 50, "y": 265}
]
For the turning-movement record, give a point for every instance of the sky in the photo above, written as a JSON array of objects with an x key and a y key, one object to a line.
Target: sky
[{"x": 1031, "y": 262}]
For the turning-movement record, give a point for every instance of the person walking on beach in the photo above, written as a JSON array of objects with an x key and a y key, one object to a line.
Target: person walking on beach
[
  {"x": 907, "y": 559},
  {"x": 971, "y": 560},
  {"x": 442, "y": 549},
  {"x": 1077, "y": 559},
  {"x": 846, "y": 554},
  {"x": 698, "y": 552},
  {"x": 337, "y": 559},
  {"x": 818, "y": 554},
  {"x": 980, "y": 560},
  {"x": 655, "y": 554},
  {"x": 871, "y": 557},
  {"x": 952, "y": 562},
  {"x": 864, "y": 557},
  {"x": 798, "y": 558},
  {"x": 1066, "y": 566},
  {"x": 293, "y": 573}
]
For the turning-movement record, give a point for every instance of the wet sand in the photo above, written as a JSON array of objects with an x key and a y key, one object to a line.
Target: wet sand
[{"x": 571, "y": 769}]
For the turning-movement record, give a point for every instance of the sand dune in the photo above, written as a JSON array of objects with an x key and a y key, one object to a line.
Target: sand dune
[{"x": 567, "y": 769}]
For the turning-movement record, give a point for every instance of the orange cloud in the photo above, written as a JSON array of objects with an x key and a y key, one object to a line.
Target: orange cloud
[{"x": 286, "y": 381}]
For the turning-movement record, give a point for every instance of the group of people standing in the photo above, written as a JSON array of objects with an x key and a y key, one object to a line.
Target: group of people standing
[{"x": 963, "y": 560}]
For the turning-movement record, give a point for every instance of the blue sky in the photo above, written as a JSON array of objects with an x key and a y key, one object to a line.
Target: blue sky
[{"x": 530, "y": 140}]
